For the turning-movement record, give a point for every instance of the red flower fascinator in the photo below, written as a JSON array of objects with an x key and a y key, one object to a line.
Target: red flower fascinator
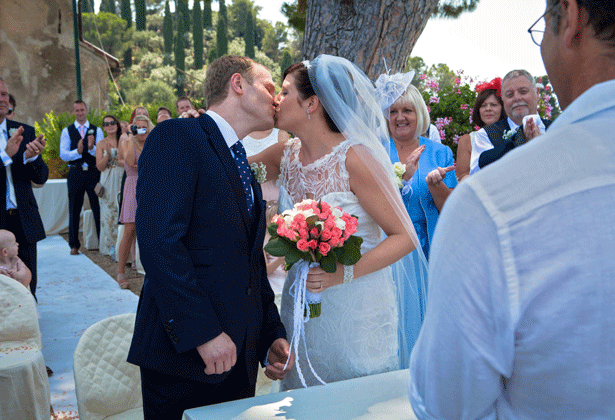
[{"x": 494, "y": 84}]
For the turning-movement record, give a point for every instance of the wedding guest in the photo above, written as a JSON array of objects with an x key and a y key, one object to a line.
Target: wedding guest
[
  {"x": 488, "y": 109},
  {"x": 78, "y": 148},
  {"x": 428, "y": 180},
  {"x": 256, "y": 142},
  {"x": 111, "y": 174},
  {"x": 124, "y": 125},
  {"x": 521, "y": 323},
  {"x": 10, "y": 264},
  {"x": 163, "y": 113},
  {"x": 520, "y": 99},
  {"x": 183, "y": 104},
  {"x": 10, "y": 115},
  {"x": 132, "y": 151}
]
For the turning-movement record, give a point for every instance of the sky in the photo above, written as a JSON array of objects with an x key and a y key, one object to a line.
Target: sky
[{"x": 485, "y": 43}]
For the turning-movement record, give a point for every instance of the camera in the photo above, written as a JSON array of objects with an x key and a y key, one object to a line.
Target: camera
[
  {"x": 136, "y": 130},
  {"x": 91, "y": 132}
]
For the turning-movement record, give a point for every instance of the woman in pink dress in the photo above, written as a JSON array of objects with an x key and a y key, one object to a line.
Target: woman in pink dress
[{"x": 131, "y": 150}]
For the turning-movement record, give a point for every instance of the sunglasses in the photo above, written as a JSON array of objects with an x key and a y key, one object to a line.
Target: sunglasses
[
  {"x": 106, "y": 124},
  {"x": 10, "y": 111}
]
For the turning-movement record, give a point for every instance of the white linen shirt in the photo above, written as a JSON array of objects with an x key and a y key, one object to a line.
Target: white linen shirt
[
  {"x": 66, "y": 154},
  {"x": 520, "y": 320},
  {"x": 481, "y": 142}
]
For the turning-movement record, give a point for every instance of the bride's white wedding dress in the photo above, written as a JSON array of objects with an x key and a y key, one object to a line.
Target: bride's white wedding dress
[{"x": 357, "y": 333}]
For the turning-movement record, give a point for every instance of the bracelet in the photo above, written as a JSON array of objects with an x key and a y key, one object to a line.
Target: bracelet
[{"x": 348, "y": 273}]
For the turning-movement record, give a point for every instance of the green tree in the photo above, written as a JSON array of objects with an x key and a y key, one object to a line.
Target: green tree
[
  {"x": 87, "y": 6},
  {"x": 222, "y": 31},
  {"x": 114, "y": 37},
  {"x": 167, "y": 33},
  {"x": 418, "y": 65},
  {"x": 274, "y": 37},
  {"x": 183, "y": 13},
  {"x": 285, "y": 62},
  {"x": 108, "y": 6},
  {"x": 213, "y": 54},
  {"x": 237, "y": 16},
  {"x": 197, "y": 34},
  {"x": 140, "y": 14},
  {"x": 249, "y": 36},
  {"x": 127, "y": 16},
  {"x": 180, "y": 57},
  {"x": 207, "y": 21}
]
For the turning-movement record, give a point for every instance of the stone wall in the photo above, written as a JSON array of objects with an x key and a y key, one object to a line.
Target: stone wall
[{"x": 37, "y": 59}]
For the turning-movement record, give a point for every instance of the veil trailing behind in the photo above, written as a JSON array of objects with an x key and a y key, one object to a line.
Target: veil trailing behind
[{"x": 349, "y": 98}]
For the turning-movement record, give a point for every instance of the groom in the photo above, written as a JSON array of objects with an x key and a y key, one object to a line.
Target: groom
[{"x": 206, "y": 315}]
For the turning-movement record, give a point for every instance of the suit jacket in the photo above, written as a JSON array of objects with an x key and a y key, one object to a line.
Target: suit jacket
[
  {"x": 502, "y": 146},
  {"x": 23, "y": 175},
  {"x": 203, "y": 257}
]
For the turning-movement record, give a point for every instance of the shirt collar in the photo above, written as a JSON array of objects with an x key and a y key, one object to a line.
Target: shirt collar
[
  {"x": 3, "y": 127},
  {"x": 86, "y": 124},
  {"x": 513, "y": 125},
  {"x": 229, "y": 135}
]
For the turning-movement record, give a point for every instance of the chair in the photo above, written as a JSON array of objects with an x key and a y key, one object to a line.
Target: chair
[
  {"x": 106, "y": 385},
  {"x": 24, "y": 385}
]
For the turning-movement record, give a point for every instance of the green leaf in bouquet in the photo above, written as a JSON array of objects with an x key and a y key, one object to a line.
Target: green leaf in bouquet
[
  {"x": 312, "y": 220},
  {"x": 272, "y": 229},
  {"x": 291, "y": 257},
  {"x": 278, "y": 247},
  {"x": 329, "y": 263},
  {"x": 350, "y": 253}
]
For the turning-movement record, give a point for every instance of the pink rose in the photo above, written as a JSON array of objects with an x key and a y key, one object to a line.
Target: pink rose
[
  {"x": 314, "y": 233},
  {"x": 325, "y": 235},
  {"x": 324, "y": 248},
  {"x": 302, "y": 245},
  {"x": 313, "y": 244},
  {"x": 303, "y": 233}
]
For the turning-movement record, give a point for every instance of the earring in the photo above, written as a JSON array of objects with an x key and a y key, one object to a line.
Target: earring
[{"x": 308, "y": 112}]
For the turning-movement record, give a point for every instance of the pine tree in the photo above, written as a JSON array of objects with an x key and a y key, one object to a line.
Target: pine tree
[
  {"x": 127, "y": 16},
  {"x": 140, "y": 14},
  {"x": 108, "y": 6},
  {"x": 212, "y": 55},
  {"x": 222, "y": 31},
  {"x": 207, "y": 21},
  {"x": 183, "y": 13},
  {"x": 197, "y": 34},
  {"x": 87, "y": 6},
  {"x": 285, "y": 62},
  {"x": 180, "y": 56},
  {"x": 248, "y": 36},
  {"x": 167, "y": 32}
]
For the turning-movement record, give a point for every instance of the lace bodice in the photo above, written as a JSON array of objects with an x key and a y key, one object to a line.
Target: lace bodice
[{"x": 326, "y": 175}]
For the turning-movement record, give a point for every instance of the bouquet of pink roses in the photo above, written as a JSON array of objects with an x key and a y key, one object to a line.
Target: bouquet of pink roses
[{"x": 314, "y": 232}]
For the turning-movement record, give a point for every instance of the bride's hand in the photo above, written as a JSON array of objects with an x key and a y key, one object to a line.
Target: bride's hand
[{"x": 318, "y": 280}]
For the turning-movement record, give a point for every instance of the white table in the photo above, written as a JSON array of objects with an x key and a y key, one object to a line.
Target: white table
[
  {"x": 376, "y": 397},
  {"x": 52, "y": 200}
]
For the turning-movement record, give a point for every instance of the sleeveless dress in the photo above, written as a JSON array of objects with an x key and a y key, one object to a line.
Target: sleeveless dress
[
  {"x": 356, "y": 334},
  {"x": 129, "y": 204},
  {"x": 254, "y": 146},
  {"x": 111, "y": 179}
]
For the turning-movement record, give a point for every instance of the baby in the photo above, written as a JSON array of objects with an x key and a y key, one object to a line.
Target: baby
[{"x": 10, "y": 264}]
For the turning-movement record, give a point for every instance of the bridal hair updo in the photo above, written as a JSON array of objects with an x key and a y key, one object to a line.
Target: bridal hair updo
[{"x": 306, "y": 90}]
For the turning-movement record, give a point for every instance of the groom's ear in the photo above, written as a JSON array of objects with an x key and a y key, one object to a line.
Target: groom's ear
[{"x": 237, "y": 84}]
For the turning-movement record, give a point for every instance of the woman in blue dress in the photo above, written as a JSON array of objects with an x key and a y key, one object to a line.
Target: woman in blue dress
[{"x": 429, "y": 177}]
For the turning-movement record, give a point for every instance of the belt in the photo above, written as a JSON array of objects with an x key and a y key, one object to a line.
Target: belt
[{"x": 11, "y": 212}]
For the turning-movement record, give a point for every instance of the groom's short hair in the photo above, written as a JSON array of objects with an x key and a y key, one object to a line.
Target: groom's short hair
[{"x": 219, "y": 74}]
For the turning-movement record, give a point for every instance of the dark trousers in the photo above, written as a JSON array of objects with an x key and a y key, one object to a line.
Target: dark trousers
[
  {"x": 80, "y": 182},
  {"x": 165, "y": 397},
  {"x": 27, "y": 251}
]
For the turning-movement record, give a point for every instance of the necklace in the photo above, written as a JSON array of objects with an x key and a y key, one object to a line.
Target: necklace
[{"x": 401, "y": 146}]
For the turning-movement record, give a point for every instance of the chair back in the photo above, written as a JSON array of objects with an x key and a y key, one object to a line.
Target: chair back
[
  {"x": 105, "y": 383},
  {"x": 18, "y": 317}
]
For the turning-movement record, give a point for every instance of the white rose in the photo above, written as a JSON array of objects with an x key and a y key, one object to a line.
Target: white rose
[{"x": 340, "y": 224}]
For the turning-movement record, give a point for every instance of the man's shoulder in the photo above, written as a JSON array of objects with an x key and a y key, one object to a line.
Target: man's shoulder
[{"x": 16, "y": 124}]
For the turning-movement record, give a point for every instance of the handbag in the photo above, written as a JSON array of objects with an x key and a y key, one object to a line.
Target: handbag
[{"x": 99, "y": 189}]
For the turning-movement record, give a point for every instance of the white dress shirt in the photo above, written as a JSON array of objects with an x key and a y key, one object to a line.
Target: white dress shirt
[
  {"x": 481, "y": 142},
  {"x": 66, "y": 154},
  {"x": 520, "y": 320}
]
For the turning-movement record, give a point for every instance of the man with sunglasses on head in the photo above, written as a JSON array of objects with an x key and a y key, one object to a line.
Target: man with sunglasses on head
[{"x": 521, "y": 324}]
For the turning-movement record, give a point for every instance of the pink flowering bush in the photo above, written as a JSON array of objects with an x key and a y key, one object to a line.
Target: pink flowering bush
[{"x": 315, "y": 232}]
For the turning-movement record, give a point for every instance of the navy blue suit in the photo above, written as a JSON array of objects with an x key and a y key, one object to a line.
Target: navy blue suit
[
  {"x": 202, "y": 253},
  {"x": 26, "y": 225}
]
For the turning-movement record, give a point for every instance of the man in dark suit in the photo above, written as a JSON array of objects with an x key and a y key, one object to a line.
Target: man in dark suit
[
  {"x": 78, "y": 148},
  {"x": 20, "y": 151},
  {"x": 206, "y": 315},
  {"x": 520, "y": 97}
]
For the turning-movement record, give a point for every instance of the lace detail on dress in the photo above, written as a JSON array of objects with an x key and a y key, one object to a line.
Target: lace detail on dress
[{"x": 326, "y": 175}]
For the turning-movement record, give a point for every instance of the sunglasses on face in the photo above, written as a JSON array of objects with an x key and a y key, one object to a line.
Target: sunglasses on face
[
  {"x": 108, "y": 123},
  {"x": 10, "y": 111}
]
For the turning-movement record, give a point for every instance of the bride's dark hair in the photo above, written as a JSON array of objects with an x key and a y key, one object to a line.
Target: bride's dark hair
[{"x": 306, "y": 90}]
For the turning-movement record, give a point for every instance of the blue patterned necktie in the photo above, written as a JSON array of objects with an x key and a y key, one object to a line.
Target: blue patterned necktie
[{"x": 245, "y": 173}]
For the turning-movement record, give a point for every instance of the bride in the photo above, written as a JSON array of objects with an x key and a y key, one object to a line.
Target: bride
[{"x": 338, "y": 156}]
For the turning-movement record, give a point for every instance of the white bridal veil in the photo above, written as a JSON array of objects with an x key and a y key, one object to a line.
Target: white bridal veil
[{"x": 349, "y": 98}]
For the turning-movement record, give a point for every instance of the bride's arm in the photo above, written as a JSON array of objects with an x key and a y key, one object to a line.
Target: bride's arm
[
  {"x": 372, "y": 198},
  {"x": 271, "y": 158}
]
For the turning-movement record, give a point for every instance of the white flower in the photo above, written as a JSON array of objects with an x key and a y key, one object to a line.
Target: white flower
[
  {"x": 11, "y": 131},
  {"x": 260, "y": 171},
  {"x": 399, "y": 169},
  {"x": 509, "y": 134},
  {"x": 307, "y": 64},
  {"x": 337, "y": 213},
  {"x": 340, "y": 224}
]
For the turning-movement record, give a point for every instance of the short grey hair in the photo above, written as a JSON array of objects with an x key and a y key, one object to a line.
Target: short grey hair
[
  {"x": 413, "y": 97},
  {"x": 516, "y": 73}
]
